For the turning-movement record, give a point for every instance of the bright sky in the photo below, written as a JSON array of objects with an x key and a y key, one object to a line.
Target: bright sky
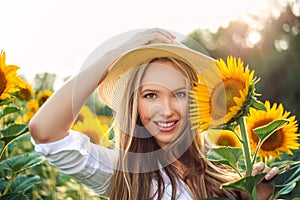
[{"x": 56, "y": 36}]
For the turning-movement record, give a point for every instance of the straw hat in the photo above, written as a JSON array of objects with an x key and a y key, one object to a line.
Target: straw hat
[{"x": 111, "y": 88}]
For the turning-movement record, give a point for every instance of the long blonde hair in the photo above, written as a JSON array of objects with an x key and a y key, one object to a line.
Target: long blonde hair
[{"x": 133, "y": 178}]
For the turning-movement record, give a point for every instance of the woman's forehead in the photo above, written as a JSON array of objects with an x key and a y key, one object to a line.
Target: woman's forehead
[{"x": 164, "y": 73}]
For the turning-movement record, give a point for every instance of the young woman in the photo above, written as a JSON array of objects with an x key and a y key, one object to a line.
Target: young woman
[{"x": 157, "y": 155}]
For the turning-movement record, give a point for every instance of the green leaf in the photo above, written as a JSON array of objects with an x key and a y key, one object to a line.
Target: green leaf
[
  {"x": 284, "y": 163},
  {"x": 14, "y": 196},
  {"x": 8, "y": 110},
  {"x": 285, "y": 181},
  {"x": 258, "y": 105},
  {"x": 11, "y": 134},
  {"x": 5, "y": 101},
  {"x": 294, "y": 193},
  {"x": 286, "y": 177},
  {"x": 263, "y": 132},
  {"x": 226, "y": 155},
  {"x": 8, "y": 140},
  {"x": 21, "y": 183},
  {"x": 18, "y": 164},
  {"x": 246, "y": 184},
  {"x": 14, "y": 130}
]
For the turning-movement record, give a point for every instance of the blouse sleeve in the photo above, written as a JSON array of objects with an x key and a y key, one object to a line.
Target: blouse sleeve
[{"x": 75, "y": 155}]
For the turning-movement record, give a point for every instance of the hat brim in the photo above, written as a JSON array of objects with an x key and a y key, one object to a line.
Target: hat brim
[{"x": 145, "y": 54}]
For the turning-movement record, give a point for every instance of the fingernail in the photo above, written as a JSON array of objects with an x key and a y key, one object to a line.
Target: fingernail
[{"x": 267, "y": 177}]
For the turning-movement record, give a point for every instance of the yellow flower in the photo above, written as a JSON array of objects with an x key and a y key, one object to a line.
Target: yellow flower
[
  {"x": 95, "y": 127},
  {"x": 42, "y": 96},
  {"x": 85, "y": 113},
  {"x": 19, "y": 120},
  {"x": 107, "y": 120},
  {"x": 223, "y": 138},
  {"x": 220, "y": 93},
  {"x": 282, "y": 140},
  {"x": 10, "y": 81},
  {"x": 32, "y": 108},
  {"x": 96, "y": 132},
  {"x": 27, "y": 92}
]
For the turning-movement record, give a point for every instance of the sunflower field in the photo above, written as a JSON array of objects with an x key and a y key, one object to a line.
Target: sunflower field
[{"x": 25, "y": 174}]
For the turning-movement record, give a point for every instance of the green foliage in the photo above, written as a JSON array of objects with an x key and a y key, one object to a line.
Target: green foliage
[
  {"x": 14, "y": 186},
  {"x": 226, "y": 155},
  {"x": 283, "y": 183},
  {"x": 25, "y": 174},
  {"x": 286, "y": 183},
  {"x": 246, "y": 184}
]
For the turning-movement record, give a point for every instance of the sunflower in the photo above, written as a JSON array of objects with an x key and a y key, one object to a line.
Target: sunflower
[
  {"x": 98, "y": 133},
  {"x": 27, "y": 92},
  {"x": 84, "y": 113},
  {"x": 103, "y": 119},
  {"x": 32, "y": 108},
  {"x": 95, "y": 127},
  {"x": 10, "y": 81},
  {"x": 222, "y": 138},
  {"x": 220, "y": 93},
  {"x": 282, "y": 140},
  {"x": 42, "y": 96}
]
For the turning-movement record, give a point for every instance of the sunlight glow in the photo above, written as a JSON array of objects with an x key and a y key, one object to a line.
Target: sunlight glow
[
  {"x": 57, "y": 36},
  {"x": 253, "y": 38}
]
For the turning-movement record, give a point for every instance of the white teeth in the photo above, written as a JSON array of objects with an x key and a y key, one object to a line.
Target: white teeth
[{"x": 165, "y": 125}]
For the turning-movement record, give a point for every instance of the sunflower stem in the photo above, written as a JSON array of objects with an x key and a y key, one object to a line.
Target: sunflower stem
[
  {"x": 256, "y": 151},
  {"x": 246, "y": 145},
  {"x": 247, "y": 152}
]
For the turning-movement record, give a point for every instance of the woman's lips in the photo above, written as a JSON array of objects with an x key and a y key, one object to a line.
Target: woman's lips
[{"x": 166, "y": 126}]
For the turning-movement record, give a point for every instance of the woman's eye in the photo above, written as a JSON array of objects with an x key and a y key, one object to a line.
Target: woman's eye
[
  {"x": 150, "y": 96},
  {"x": 180, "y": 94}
]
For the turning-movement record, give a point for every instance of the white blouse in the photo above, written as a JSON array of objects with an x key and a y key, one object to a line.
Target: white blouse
[{"x": 93, "y": 165}]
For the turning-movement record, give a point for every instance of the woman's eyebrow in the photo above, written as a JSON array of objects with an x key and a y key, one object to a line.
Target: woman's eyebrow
[
  {"x": 148, "y": 90},
  {"x": 179, "y": 89}
]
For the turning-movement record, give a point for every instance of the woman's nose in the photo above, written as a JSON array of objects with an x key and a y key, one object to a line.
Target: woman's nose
[{"x": 167, "y": 107}]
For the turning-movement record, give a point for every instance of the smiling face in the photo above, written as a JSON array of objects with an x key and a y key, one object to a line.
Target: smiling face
[{"x": 163, "y": 101}]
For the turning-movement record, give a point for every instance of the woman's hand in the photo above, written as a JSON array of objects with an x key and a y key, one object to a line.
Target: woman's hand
[
  {"x": 262, "y": 168},
  {"x": 149, "y": 36},
  {"x": 264, "y": 190}
]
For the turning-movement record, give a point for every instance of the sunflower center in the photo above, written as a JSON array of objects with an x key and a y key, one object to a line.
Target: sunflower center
[
  {"x": 3, "y": 82},
  {"x": 226, "y": 140},
  {"x": 43, "y": 99},
  {"x": 274, "y": 141},
  {"x": 222, "y": 96},
  {"x": 24, "y": 94},
  {"x": 259, "y": 123}
]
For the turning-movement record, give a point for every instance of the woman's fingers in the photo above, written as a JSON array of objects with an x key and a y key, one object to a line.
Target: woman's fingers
[
  {"x": 149, "y": 36},
  {"x": 156, "y": 35},
  {"x": 162, "y": 32},
  {"x": 258, "y": 167},
  {"x": 262, "y": 168},
  {"x": 273, "y": 172}
]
